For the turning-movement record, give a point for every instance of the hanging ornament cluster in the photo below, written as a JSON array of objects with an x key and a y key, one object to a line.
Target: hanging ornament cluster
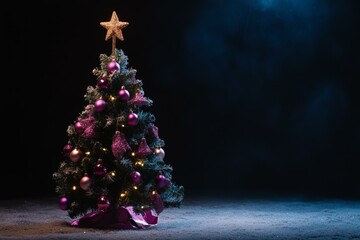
[
  {"x": 85, "y": 127},
  {"x": 119, "y": 145},
  {"x": 143, "y": 149},
  {"x": 139, "y": 100}
]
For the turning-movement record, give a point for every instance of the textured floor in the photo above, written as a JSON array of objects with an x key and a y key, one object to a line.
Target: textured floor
[{"x": 201, "y": 218}]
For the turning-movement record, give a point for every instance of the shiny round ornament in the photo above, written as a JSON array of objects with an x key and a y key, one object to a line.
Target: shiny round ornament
[
  {"x": 79, "y": 128},
  {"x": 67, "y": 150},
  {"x": 133, "y": 119},
  {"x": 135, "y": 177},
  {"x": 76, "y": 155},
  {"x": 100, "y": 105},
  {"x": 85, "y": 183},
  {"x": 64, "y": 203},
  {"x": 113, "y": 66},
  {"x": 103, "y": 203},
  {"x": 103, "y": 83},
  {"x": 161, "y": 181},
  {"x": 160, "y": 153},
  {"x": 99, "y": 169},
  {"x": 124, "y": 95}
]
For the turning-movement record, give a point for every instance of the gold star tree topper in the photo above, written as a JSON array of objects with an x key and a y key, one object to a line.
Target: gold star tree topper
[{"x": 113, "y": 28}]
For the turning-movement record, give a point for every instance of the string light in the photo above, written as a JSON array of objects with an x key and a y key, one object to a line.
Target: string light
[
  {"x": 104, "y": 149},
  {"x": 133, "y": 154},
  {"x": 142, "y": 207},
  {"x": 87, "y": 153},
  {"x": 135, "y": 187},
  {"x": 153, "y": 192},
  {"x": 139, "y": 163},
  {"x": 122, "y": 125},
  {"x": 123, "y": 194},
  {"x": 112, "y": 98},
  {"x": 74, "y": 188},
  {"x": 113, "y": 174}
]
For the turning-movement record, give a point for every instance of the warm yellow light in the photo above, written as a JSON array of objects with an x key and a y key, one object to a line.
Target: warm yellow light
[
  {"x": 112, "y": 98},
  {"x": 135, "y": 187},
  {"x": 87, "y": 153},
  {"x": 133, "y": 154},
  {"x": 113, "y": 174},
  {"x": 139, "y": 163},
  {"x": 122, "y": 125},
  {"x": 153, "y": 192},
  {"x": 74, "y": 188},
  {"x": 142, "y": 207},
  {"x": 123, "y": 195},
  {"x": 104, "y": 149}
]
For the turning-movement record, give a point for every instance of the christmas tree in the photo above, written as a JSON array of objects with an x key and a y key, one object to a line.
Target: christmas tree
[{"x": 113, "y": 163}]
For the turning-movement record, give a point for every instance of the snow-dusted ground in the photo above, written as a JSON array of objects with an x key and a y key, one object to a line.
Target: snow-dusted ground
[{"x": 201, "y": 218}]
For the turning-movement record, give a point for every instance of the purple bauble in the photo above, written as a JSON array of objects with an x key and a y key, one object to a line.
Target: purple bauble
[
  {"x": 161, "y": 181},
  {"x": 99, "y": 169},
  {"x": 103, "y": 83},
  {"x": 85, "y": 183},
  {"x": 103, "y": 203},
  {"x": 135, "y": 177},
  {"x": 100, "y": 105},
  {"x": 160, "y": 153},
  {"x": 133, "y": 119},
  {"x": 67, "y": 149},
  {"x": 79, "y": 128},
  {"x": 124, "y": 95},
  {"x": 113, "y": 66},
  {"x": 64, "y": 203},
  {"x": 75, "y": 155}
]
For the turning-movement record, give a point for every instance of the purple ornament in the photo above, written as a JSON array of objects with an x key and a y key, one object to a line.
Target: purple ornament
[
  {"x": 64, "y": 203},
  {"x": 100, "y": 105},
  {"x": 135, "y": 176},
  {"x": 161, "y": 181},
  {"x": 79, "y": 128},
  {"x": 124, "y": 95},
  {"x": 119, "y": 145},
  {"x": 85, "y": 183},
  {"x": 113, "y": 66},
  {"x": 103, "y": 83},
  {"x": 99, "y": 169},
  {"x": 67, "y": 150},
  {"x": 103, "y": 203},
  {"x": 133, "y": 119}
]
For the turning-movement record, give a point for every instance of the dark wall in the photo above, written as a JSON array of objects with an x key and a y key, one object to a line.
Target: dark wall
[{"x": 251, "y": 96}]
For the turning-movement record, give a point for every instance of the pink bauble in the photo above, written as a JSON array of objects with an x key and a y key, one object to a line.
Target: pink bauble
[
  {"x": 79, "y": 128},
  {"x": 160, "y": 153},
  {"x": 135, "y": 176},
  {"x": 64, "y": 203},
  {"x": 100, "y": 105},
  {"x": 133, "y": 119},
  {"x": 99, "y": 169},
  {"x": 113, "y": 66},
  {"x": 76, "y": 155},
  {"x": 161, "y": 181},
  {"x": 103, "y": 83},
  {"x": 103, "y": 203},
  {"x": 85, "y": 183},
  {"x": 67, "y": 149},
  {"x": 124, "y": 95}
]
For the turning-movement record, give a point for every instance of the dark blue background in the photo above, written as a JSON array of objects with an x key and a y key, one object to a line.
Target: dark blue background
[{"x": 252, "y": 97}]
